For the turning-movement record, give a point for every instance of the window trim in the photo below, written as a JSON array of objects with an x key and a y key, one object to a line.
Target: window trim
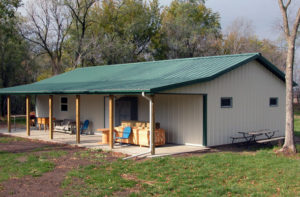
[
  {"x": 231, "y": 102},
  {"x": 276, "y": 102},
  {"x": 66, "y": 104}
]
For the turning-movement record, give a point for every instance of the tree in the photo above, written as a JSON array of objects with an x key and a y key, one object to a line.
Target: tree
[
  {"x": 241, "y": 38},
  {"x": 290, "y": 36},
  {"x": 123, "y": 30},
  {"x": 190, "y": 29},
  {"x": 16, "y": 64},
  {"x": 78, "y": 44},
  {"x": 237, "y": 37},
  {"x": 46, "y": 25}
]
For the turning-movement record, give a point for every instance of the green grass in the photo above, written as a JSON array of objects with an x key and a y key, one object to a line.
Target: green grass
[
  {"x": 16, "y": 165},
  {"x": 5, "y": 140},
  {"x": 19, "y": 120},
  {"x": 21, "y": 164},
  {"x": 218, "y": 174}
]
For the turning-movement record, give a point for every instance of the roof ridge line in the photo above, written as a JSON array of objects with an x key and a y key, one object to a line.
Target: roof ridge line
[{"x": 177, "y": 59}]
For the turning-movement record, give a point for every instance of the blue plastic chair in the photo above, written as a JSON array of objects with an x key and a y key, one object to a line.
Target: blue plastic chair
[
  {"x": 126, "y": 133},
  {"x": 85, "y": 126}
]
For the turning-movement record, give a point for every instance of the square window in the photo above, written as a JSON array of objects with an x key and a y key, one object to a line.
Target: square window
[
  {"x": 64, "y": 107},
  {"x": 226, "y": 102},
  {"x": 64, "y": 100},
  {"x": 273, "y": 102}
]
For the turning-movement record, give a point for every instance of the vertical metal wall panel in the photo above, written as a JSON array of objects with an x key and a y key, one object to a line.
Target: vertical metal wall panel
[
  {"x": 91, "y": 108},
  {"x": 250, "y": 86},
  {"x": 181, "y": 116},
  {"x": 42, "y": 106}
]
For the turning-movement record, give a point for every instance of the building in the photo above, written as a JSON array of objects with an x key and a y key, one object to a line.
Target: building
[{"x": 198, "y": 101}]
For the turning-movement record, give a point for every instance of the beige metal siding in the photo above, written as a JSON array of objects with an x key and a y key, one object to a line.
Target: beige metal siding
[
  {"x": 92, "y": 108},
  {"x": 180, "y": 115},
  {"x": 250, "y": 86},
  {"x": 42, "y": 106},
  {"x": 143, "y": 109}
]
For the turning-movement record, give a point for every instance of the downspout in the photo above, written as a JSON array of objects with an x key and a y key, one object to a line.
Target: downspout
[
  {"x": 150, "y": 127},
  {"x": 150, "y": 118}
]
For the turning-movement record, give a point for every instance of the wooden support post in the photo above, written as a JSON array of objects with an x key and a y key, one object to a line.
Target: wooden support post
[
  {"x": 111, "y": 121},
  {"x": 50, "y": 116},
  {"x": 28, "y": 115},
  {"x": 8, "y": 115},
  {"x": 78, "y": 119},
  {"x": 152, "y": 145}
]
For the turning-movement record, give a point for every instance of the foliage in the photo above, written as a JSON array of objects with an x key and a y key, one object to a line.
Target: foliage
[
  {"x": 16, "y": 64},
  {"x": 240, "y": 38},
  {"x": 189, "y": 29},
  {"x": 217, "y": 174},
  {"x": 46, "y": 26},
  {"x": 124, "y": 30},
  {"x": 297, "y": 122},
  {"x": 78, "y": 44}
]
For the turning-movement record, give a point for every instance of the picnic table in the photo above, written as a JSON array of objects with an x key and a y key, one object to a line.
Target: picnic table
[{"x": 251, "y": 136}]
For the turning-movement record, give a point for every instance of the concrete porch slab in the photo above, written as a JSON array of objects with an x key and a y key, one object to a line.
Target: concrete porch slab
[{"x": 94, "y": 142}]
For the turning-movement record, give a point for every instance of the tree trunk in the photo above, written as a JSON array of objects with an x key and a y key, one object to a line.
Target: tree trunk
[
  {"x": 289, "y": 145},
  {"x": 56, "y": 67}
]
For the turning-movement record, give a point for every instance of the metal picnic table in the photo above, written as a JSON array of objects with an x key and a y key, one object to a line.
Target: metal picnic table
[{"x": 251, "y": 135}]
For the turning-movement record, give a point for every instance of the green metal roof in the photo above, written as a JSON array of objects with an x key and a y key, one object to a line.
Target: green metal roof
[{"x": 149, "y": 77}]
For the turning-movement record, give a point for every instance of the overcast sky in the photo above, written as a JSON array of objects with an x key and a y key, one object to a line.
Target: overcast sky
[{"x": 264, "y": 14}]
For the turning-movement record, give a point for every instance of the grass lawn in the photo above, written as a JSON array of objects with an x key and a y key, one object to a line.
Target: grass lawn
[
  {"x": 244, "y": 172},
  {"x": 260, "y": 173},
  {"x": 19, "y": 164}
]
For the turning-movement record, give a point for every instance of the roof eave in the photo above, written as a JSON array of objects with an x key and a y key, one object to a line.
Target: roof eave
[{"x": 123, "y": 92}]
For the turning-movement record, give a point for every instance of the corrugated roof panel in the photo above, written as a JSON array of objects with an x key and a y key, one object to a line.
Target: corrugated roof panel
[{"x": 139, "y": 77}]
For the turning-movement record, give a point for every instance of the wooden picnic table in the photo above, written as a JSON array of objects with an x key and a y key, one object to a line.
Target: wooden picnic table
[{"x": 105, "y": 135}]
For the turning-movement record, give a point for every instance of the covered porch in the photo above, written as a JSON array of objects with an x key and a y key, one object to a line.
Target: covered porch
[
  {"x": 179, "y": 115},
  {"x": 94, "y": 142},
  {"x": 48, "y": 118},
  {"x": 90, "y": 94}
]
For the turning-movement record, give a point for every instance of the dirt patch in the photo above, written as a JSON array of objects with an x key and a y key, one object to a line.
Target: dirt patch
[
  {"x": 22, "y": 159},
  {"x": 136, "y": 189},
  {"x": 49, "y": 184}
]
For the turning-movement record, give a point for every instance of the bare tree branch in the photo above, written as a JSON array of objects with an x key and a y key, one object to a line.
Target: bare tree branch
[
  {"x": 296, "y": 25},
  {"x": 46, "y": 26},
  {"x": 283, "y": 9}
]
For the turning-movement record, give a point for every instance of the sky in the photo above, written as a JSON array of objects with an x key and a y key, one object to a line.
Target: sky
[{"x": 264, "y": 14}]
